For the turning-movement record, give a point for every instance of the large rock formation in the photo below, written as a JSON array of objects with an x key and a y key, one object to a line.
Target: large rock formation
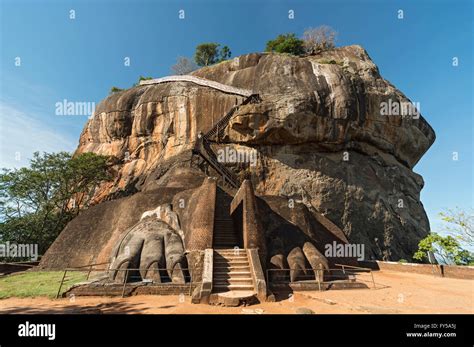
[{"x": 322, "y": 145}]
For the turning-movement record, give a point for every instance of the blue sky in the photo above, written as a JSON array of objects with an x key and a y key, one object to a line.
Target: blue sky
[{"x": 80, "y": 59}]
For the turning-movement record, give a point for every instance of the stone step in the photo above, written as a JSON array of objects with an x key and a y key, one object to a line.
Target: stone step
[
  {"x": 231, "y": 251},
  {"x": 224, "y": 271},
  {"x": 223, "y": 225},
  {"x": 233, "y": 287},
  {"x": 234, "y": 261},
  {"x": 226, "y": 230},
  {"x": 222, "y": 283},
  {"x": 231, "y": 258},
  {"x": 233, "y": 274},
  {"x": 234, "y": 268},
  {"x": 227, "y": 264},
  {"x": 233, "y": 265},
  {"x": 217, "y": 246},
  {"x": 238, "y": 253},
  {"x": 224, "y": 238},
  {"x": 224, "y": 245},
  {"x": 221, "y": 235},
  {"x": 232, "y": 279},
  {"x": 229, "y": 281},
  {"x": 231, "y": 269}
]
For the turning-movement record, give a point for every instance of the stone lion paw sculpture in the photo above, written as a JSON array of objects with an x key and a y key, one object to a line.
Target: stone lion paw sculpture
[
  {"x": 155, "y": 242},
  {"x": 296, "y": 261}
]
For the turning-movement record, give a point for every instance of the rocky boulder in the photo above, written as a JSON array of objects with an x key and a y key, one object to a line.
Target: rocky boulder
[{"x": 323, "y": 142}]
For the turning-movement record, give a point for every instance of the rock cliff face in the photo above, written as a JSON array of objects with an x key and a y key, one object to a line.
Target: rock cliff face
[{"x": 319, "y": 132}]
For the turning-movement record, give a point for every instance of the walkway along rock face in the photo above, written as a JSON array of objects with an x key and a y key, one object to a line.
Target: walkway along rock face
[{"x": 330, "y": 167}]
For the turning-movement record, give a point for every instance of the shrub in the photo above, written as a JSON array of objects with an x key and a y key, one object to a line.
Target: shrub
[{"x": 116, "y": 90}]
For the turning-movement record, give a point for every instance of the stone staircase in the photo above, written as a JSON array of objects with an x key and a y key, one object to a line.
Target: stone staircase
[
  {"x": 224, "y": 233},
  {"x": 231, "y": 272}
]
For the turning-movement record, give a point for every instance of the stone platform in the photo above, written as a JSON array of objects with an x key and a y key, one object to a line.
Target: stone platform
[
  {"x": 103, "y": 288},
  {"x": 234, "y": 298},
  {"x": 314, "y": 286}
]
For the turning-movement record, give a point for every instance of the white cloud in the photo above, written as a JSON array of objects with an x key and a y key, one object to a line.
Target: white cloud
[{"x": 24, "y": 133}]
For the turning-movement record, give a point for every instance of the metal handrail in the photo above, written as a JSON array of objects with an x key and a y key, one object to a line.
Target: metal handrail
[
  {"x": 203, "y": 147},
  {"x": 205, "y": 151},
  {"x": 317, "y": 272},
  {"x": 79, "y": 269},
  {"x": 218, "y": 127},
  {"x": 354, "y": 267},
  {"x": 358, "y": 268}
]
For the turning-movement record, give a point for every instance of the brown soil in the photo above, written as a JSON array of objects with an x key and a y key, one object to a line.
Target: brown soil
[{"x": 395, "y": 292}]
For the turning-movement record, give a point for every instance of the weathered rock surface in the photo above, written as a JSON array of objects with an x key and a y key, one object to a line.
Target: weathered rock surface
[{"x": 321, "y": 140}]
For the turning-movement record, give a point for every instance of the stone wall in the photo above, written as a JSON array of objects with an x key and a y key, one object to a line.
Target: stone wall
[
  {"x": 8, "y": 268},
  {"x": 200, "y": 81},
  {"x": 450, "y": 271},
  {"x": 131, "y": 289},
  {"x": 253, "y": 234}
]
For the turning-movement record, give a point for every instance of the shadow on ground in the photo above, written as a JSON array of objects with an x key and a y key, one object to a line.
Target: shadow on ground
[{"x": 104, "y": 308}]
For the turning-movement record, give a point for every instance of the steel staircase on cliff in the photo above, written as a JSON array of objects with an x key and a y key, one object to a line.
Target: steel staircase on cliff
[{"x": 203, "y": 144}]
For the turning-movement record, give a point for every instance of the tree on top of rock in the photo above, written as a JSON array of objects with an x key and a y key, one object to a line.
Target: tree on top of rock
[
  {"x": 286, "y": 43},
  {"x": 183, "y": 66},
  {"x": 319, "y": 39},
  {"x": 209, "y": 54}
]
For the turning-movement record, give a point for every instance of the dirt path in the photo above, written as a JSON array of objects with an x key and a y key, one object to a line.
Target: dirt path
[{"x": 395, "y": 293}]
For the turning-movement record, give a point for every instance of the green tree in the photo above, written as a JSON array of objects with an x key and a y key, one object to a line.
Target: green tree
[
  {"x": 209, "y": 53},
  {"x": 460, "y": 224},
  {"x": 286, "y": 43},
  {"x": 36, "y": 202},
  {"x": 224, "y": 54},
  {"x": 447, "y": 248}
]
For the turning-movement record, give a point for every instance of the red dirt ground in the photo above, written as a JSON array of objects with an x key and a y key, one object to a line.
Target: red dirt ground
[{"x": 395, "y": 292}]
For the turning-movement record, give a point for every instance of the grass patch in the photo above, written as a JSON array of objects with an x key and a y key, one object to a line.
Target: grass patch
[
  {"x": 325, "y": 61},
  {"x": 37, "y": 283}
]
